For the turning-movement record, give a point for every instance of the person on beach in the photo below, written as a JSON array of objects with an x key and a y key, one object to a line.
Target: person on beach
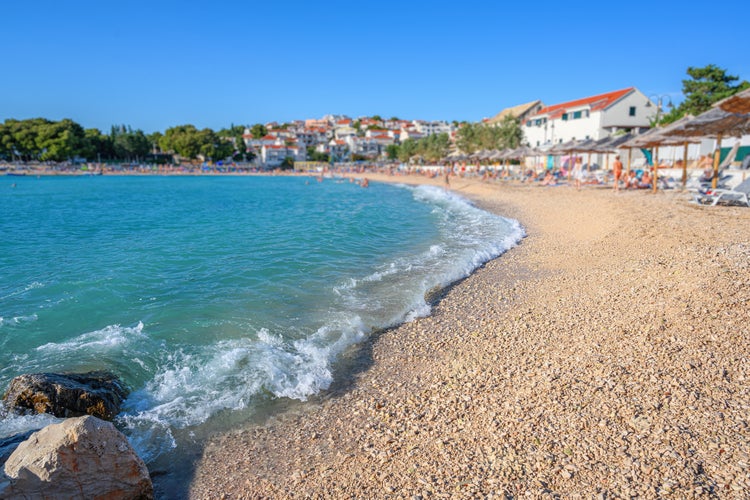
[
  {"x": 577, "y": 173},
  {"x": 645, "y": 182},
  {"x": 617, "y": 167}
]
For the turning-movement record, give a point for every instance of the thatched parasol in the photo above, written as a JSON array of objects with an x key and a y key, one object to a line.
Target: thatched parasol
[
  {"x": 718, "y": 123},
  {"x": 657, "y": 137},
  {"x": 738, "y": 103}
]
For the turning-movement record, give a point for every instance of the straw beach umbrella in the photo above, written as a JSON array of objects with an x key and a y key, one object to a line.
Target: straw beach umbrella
[
  {"x": 739, "y": 103},
  {"x": 657, "y": 137},
  {"x": 716, "y": 123}
]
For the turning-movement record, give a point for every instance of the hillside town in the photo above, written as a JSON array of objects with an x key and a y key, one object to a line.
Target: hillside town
[
  {"x": 341, "y": 138},
  {"x": 344, "y": 139}
]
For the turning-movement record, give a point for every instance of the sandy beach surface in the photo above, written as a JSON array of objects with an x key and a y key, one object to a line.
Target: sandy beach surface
[{"x": 606, "y": 356}]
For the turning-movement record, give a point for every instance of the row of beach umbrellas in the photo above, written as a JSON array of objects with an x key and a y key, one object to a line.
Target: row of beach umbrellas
[
  {"x": 606, "y": 145},
  {"x": 729, "y": 117}
]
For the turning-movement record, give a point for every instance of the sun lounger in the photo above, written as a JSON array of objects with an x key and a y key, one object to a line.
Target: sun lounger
[{"x": 740, "y": 195}]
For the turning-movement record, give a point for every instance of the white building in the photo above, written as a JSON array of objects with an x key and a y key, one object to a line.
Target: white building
[
  {"x": 344, "y": 131},
  {"x": 339, "y": 150},
  {"x": 272, "y": 155},
  {"x": 364, "y": 146},
  {"x": 592, "y": 117},
  {"x": 432, "y": 127},
  {"x": 410, "y": 133}
]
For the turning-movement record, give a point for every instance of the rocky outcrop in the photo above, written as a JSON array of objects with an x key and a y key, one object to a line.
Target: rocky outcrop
[
  {"x": 79, "y": 458},
  {"x": 66, "y": 395}
]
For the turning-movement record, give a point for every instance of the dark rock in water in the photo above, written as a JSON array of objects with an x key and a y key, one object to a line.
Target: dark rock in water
[
  {"x": 97, "y": 393},
  {"x": 79, "y": 458}
]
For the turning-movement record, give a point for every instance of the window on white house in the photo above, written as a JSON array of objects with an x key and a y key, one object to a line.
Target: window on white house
[
  {"x": 565, "y": 116},
  {"x": 577, "y": 115},
  {"x": 631, "y": 112}
]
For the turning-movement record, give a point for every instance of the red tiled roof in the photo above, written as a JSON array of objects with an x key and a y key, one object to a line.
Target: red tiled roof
[{"x": 596, "y": 103}]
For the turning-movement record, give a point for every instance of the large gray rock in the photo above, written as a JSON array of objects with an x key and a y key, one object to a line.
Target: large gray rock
[
  {"x": 67, "y": 395},
  {"x": 79, "y": 458}
]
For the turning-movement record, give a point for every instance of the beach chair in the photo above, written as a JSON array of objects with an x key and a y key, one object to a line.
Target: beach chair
[{"x": 739, "y": 196}]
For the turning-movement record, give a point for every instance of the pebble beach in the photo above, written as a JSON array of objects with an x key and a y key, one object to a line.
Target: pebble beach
[{"x": 606, "y": 356}]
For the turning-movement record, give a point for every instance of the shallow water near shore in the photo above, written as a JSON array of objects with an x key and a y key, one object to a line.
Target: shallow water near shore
[{"x": 216, "y": 299}]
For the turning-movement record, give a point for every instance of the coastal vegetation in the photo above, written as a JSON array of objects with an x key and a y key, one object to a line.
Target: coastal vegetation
[
  {"x": 470, "y": 137},
  {"x": 473, "y": 137},
  {"x": 430, "y": 148},
  {"x": 705, "y": 86},
  {"x": 40, "y": 139}
]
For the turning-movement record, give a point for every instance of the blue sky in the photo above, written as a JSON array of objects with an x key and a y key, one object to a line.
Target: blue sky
[{"x": 155, "y": 64}]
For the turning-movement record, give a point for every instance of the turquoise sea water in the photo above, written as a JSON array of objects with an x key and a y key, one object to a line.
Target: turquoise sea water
[{"x": 213, "y": 296}]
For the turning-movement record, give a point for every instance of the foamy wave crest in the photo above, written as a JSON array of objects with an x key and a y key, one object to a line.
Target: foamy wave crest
[
  {"x": 17, "y": 320},
  {"x": 469, "y": 237},
  {"x": 303, "y": 368},
  {"x": 191, "y": 387},
  {"x": 13, "y": 424},
  {"x": 109, "y": 337},
  {"x": 30, "y": 286}
]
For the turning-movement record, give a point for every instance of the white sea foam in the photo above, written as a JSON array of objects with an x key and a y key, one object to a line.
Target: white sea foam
[
  {"x": 12, "y": 424},
  {"x": 190, "y": 388},
  {"x": 107, "y": 338},
  {"x": 17, "y": 320},
  {"x": 395, "y": 291},
  {"x": 22, "y": 290}
]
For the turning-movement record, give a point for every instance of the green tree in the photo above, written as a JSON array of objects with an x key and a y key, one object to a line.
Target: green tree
[
  {"x": 97, "y": 145},
  {"x": 258, "y": 130},
  {"x": 473, "y": 137},
  {"x": 154, "y": 139},
  {"x": 189, "y": 142},
  {"x": 510, "y": 133},
  {"x": 407, "y": 149},
  {"x": 705, "y": 86},
  {"x": 391, "y": 151},
  {"x": 431, "y": 148},
  {"x": 129, "y": 144},
  {"x": 287, "y": 164},
  {"x": 234, "y": 135},
  {"x": 182, "y": 140},
  {"x": 314, "y": 155},
  {"x": 42, "y": 139}
]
